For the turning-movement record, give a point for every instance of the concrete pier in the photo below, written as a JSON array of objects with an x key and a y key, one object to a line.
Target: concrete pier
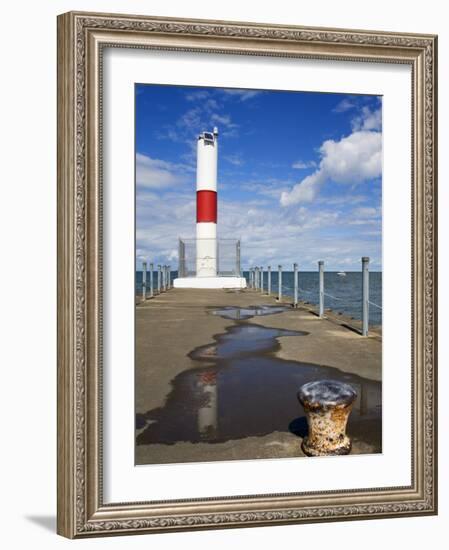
[{"x": 171, "y": 325}]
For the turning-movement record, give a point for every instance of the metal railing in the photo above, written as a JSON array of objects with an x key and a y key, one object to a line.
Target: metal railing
[
  {"x": 163, "y": 275},
  {"x": 256, "y": 278}
]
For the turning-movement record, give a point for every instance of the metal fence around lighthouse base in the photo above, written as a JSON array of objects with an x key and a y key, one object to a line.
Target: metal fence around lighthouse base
[{"x": 224, "y": 255}]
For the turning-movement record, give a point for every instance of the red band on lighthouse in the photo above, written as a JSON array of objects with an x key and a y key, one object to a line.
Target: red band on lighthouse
[{"x": 206, "y": 206}]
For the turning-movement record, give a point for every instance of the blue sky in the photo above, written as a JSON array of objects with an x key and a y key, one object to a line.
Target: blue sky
[{"x": 299, "y": 174}]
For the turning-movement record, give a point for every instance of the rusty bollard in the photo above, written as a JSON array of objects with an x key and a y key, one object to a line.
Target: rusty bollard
[{"x": 327, "y": 404}]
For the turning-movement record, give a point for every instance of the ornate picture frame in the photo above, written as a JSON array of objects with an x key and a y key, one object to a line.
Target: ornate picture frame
[{"x": 82, "y": 38}]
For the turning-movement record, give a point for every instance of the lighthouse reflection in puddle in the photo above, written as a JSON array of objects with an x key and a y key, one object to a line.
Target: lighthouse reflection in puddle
[{"x": 207, "y": 405}]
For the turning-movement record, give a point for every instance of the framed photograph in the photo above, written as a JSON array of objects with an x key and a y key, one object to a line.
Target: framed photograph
[{"x": 246, "y": 274}]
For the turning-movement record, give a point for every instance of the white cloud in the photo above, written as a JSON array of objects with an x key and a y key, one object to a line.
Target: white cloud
[
  {"x": 190, "y": 119},
  {"x": 202, "y": 116},
  {"x": 241, "y": 95},
  {"x": 300, "y": 165},
  {"x": 353, "y": 159},
  {"x": 368, "y": 120},
  {"x": 343, "y": 106},
  {"x": 269, "y": 235},
  {"x": 366, "y": 212},
  {"x": 304, "y": 191},
  {"x": 197, "y": 95},
  {"x": 224, "y": 120},
  {"x": 341, "y": 200},
  {"x": 367, "y": 216},
  {"x": 236, "y": 160},
  {"x": 270, "y": 187},
  {"x": 154, "y": 173}
]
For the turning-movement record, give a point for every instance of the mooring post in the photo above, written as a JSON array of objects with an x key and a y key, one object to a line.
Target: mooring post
[
  {"x": 295, "y": 285},
  {"x": 269, "y": 280},
  {"x": 151, "y": 281},
  {"x": 321, "y": 283},
  {"x": 365, "y": 295},
  {"x": 279, "y": 283},
  {"x": 327, "y": 404},
  {"x": 261, "y": 279},
  {"x": 159, "y": 278},
  {"x": 144, "y": 281}
]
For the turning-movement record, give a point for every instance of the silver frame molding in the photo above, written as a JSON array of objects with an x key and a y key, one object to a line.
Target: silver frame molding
[{"x": 81, "y": 39}]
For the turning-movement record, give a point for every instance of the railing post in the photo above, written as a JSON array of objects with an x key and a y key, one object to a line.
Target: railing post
[
  {"x": 279, "y": 283},
  {"x": 321, "y": 286},
  {"x": 269, "y": 280},
  {"x": 159, "y": 278},
  {"x": 365, "y": 296},
  {"x": 238, "y": 267},
  {"x": 180, "y": 274},
  {"x": 144, "y": 281},
  {"x": 151, "y": 281},
  {"x": 261, "y": 279},
  {"x": 295, "y": 285}
]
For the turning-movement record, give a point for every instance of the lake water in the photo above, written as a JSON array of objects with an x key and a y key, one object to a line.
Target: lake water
[{"x": 342, "y": 294}]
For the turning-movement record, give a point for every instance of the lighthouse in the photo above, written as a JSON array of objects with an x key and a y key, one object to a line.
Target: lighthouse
[
  {"x": 206, "y": 204},
  {"x": 207, "y": 273}
]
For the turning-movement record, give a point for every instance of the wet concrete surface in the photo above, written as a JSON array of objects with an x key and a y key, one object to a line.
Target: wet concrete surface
[{"x": 239, "y": 388}]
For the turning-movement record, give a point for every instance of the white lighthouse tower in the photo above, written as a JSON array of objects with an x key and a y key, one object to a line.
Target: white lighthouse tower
[
  {"x": 207, "y": 275},
  {"x": 206, "y": 204}
]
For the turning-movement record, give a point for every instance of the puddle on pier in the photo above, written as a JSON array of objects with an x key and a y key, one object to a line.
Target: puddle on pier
[
  {"x": 243, "y": 313},
  {"x": 242, "y": 340},
  {"x": 242, "y": 389}
]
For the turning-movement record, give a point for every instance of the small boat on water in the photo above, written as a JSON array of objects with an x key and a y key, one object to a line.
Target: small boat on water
[{"x": 341, "y": 274}]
